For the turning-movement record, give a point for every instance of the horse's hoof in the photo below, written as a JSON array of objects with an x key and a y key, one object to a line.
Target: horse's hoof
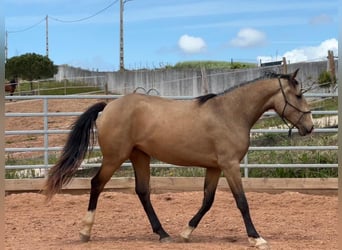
[
  {"x": 187, "y": 233},
  {"x": 259, "y": 243},
  {"x": 263, "y": 247},
  {"x": 84, "y": 238},
  {"x": 185, "y": 240},
  {"x": 166, "y": 240}
]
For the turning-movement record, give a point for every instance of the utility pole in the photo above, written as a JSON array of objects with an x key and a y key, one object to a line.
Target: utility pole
[
  {"x": 47, "y": 35},
  {"x": 122, "y": 67},
  {"x": 122, "y": 64},
  {"x": 6, "y": 46}
]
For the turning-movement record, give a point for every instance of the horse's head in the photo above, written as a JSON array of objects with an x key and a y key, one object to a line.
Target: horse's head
[{"x": 292, "y": 106}]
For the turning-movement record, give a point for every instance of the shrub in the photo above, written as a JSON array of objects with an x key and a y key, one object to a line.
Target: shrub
[{"x": 324, "y": 79}]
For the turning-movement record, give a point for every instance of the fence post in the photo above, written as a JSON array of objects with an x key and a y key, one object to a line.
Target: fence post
[
  {"x": 46, "y": 134},
  {"x": 284, "y": 65},
  {"x": 205, "y": 86},
  {"x": 331, "y": 66},
  {"x": 65, "y": 81},
  {"x": 106, "y": 89},
  {"x": 245, "y": 161}
]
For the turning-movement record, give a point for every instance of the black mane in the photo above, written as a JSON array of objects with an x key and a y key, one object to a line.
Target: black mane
[
  {"x": 267, "y": 75},
  {"x": 204, "y": 98}
]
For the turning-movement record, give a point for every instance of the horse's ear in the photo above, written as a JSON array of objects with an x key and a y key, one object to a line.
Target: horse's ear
[{"x": 294, "y": 74}]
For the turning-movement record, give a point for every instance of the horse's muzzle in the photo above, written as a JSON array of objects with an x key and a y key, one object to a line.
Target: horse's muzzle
[{"x": 305, "y": 131}]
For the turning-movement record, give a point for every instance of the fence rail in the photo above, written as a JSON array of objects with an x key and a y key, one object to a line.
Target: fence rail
[{"x": 46, "y": 149}]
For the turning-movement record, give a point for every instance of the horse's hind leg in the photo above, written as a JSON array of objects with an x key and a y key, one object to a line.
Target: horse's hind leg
[
  {"x": 210, "y": 184},
  {"x": 233, "y": 177},
  {"x": 97, "y": 184},
  {"x": 141, "y": 164}
]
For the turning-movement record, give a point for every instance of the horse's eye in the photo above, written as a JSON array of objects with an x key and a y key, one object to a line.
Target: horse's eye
[{"x": 299, "y": 96}]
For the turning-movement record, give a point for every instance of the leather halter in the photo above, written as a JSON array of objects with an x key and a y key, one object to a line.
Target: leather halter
[{"x": 287, "y": 103}]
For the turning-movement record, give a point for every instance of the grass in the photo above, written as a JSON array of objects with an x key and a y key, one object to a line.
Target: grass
[
  {"x": 20, "y": 174},
  {"x": 212, "y": 65},
  {"x": 56, "y": 88},
  {"x": 294, "y": 173},
  {"x": 326, "y": 104}
]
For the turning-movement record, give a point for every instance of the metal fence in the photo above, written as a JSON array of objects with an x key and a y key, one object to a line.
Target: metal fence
[{"x": 45, "y": 149}]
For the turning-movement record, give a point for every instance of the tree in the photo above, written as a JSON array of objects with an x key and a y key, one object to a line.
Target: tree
[{"x": 30, "y": 67}]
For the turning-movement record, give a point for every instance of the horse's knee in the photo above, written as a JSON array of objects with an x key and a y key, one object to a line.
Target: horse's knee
[
  {"x": 142, "y": 191},
  {"x": 142, "y": 187}
]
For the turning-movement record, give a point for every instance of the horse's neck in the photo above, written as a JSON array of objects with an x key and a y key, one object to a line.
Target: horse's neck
[{"x": 252, "y": 100}]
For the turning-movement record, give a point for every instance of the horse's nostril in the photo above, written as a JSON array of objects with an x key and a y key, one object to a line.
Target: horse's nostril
[{"x": 311, "y": 129}]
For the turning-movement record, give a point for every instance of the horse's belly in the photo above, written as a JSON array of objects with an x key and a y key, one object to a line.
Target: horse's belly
[{"x": 180, "y": 154}]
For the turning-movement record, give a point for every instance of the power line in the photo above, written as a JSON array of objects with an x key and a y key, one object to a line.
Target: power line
[
  {"x": 63, "y": 21},
  {"x": 28, "y": 28},
  {"x": 58, "y": 20},
  {"x": 84, "y": 18}
]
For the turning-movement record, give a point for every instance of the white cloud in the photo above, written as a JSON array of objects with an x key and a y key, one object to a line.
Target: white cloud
[
  {"x": 312, "y": 52},
  {"x": 191, "y": 45},
  {"x": 248, "y": 37},
  {"x": 308, "y": 53}
]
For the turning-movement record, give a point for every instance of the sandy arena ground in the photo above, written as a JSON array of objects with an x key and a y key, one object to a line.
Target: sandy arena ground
[{"x": 287, "y": 221}]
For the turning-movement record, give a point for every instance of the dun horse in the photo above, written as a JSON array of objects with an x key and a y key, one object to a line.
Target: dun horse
[{"x": 210, "y": 131}]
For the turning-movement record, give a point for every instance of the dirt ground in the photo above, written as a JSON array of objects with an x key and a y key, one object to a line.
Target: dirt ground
[{"x": 287, "y": 221}]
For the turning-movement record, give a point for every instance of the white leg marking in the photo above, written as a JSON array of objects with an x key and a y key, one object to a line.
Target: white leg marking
[
  {"x": 187, "y": 233},
  {"x": 88, "y": 222},
  {"x": 259, "y": 243}
]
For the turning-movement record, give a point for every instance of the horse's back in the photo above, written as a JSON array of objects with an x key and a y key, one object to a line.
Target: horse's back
[{"x": 141, "y": 110}]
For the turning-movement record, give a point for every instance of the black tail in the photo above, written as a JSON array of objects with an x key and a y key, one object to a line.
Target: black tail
[{"x": 74, "y": 150}]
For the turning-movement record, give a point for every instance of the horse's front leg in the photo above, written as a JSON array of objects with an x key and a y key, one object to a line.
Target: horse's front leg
[
  {"x": 233, "y": 176},
  {"x": 210, "y": 184}
]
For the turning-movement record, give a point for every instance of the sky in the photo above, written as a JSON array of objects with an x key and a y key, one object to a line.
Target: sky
[{"x": 86, "y": 33}]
